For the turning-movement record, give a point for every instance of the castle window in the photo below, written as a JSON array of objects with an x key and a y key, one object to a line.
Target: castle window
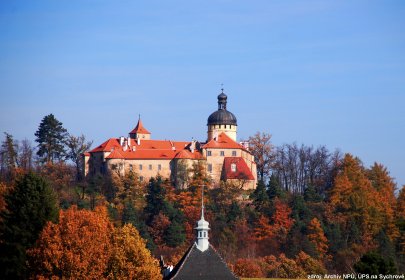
[
  {"x": 234, "y": 153},
  {"x": 205, "y": 234},
  {"x": 222, "y": 153},
  {"x": 140, "y": 167},
  {"x": 113, "y": 167},
  {"x": 141, "y": 178},
  {"x": 209, "y": 167},
  {"x": 131, "y": 167},
  {"x": 219, "y": 126},
  {"x": 150, "y": 166},
  {"x": 208, "y": 153},
  {"x": 233, "y": 167},
  {"x": 159, "y": 167}
]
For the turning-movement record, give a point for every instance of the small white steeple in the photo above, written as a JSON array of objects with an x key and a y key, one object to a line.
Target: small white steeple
[{"x": 202, "y": 228}]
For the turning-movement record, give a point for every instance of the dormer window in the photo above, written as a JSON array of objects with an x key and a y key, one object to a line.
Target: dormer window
[{"x": 233, "y": 167}]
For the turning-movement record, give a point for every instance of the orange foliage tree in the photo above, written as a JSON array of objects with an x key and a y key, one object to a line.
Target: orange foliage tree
[
  {"x": 355, "y": 205},
  {"x": 84, "y": 245},
  {"x": 77, "y": 248},
  {"x": 317, "y": 237},
  {"x": 247, "y": 268},
  {"x": 385, "y": 186}
]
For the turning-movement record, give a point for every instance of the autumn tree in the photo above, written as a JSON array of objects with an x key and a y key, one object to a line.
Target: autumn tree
[
  {"x": 356, "y": 210},
  {"x": 76, "y": 146},
  {"x": 310, "y": 265},
  {"x": 28, "y": 208},
  {"x": 51, "y": 137},
  {"x": 400, "y": 217},
  {"x": 78, "y": 247},
  {"x": 129, "y": 258},
  {"x": 262, "y": 149},
  {"x": 317, "y": 237},
  {"x": 247, "y": 268}
]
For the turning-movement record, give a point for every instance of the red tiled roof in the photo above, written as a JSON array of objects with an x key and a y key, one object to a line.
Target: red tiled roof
[
  {"x": 242, "y": 170},
  {"x": 148, "y": 149},
  {"x": 223, "y": 142},
  {"x": 186, "y": 154},
  {"x": 139, "y": 128},
  {"x": 107, "y": 146}
]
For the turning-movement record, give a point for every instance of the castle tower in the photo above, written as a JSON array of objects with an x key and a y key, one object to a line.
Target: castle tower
[
  {"x": 140, "y": 132},
  {"x": 222, "y": 120}
]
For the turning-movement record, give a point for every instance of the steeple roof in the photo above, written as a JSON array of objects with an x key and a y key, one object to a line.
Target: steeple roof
[
  {"x": 201, "y": 261},
  {"x": 139, "y": 128},
  {"x": 197, "y": 265}
]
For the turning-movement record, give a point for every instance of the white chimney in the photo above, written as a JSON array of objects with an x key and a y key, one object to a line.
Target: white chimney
[
  {"x": 122, "y": 141},
  {"x": 138, "y": 141}
]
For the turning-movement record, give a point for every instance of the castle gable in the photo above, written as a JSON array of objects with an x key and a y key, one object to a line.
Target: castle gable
[{"x": 223, "y": 141}]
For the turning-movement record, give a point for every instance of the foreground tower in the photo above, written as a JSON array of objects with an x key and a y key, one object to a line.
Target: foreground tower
[{"x": 222, "y": 120}]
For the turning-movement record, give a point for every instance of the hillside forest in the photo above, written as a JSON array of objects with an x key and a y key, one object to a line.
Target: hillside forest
[{"x": 314, "y": 211}]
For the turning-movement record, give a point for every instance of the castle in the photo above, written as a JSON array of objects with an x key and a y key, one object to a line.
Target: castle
[{"x": 223, "y": 158}]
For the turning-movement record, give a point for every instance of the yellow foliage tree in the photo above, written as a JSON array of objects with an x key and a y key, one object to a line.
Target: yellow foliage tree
[{"x": 130, "y": 259}]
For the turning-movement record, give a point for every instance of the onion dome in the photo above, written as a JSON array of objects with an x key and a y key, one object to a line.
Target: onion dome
[{"x": 222, "y": 115}]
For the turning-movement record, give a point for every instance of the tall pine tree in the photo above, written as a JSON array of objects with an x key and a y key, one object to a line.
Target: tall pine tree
[{"x": 51, "y": 138}]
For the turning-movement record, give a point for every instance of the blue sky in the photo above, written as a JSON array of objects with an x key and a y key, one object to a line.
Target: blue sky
[{"x": 315, "y": 72}]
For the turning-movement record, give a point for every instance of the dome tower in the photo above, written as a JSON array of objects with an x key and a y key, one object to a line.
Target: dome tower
[{"x": 222, "y": 120}]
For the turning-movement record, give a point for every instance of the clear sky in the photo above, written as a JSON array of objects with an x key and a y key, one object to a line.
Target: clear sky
[{"x": 315, "y": 72}]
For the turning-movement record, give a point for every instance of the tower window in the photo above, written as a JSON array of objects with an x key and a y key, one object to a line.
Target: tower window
[
  {"x": 209, "y": 167},
  {"x": 150, "y": 166},
  {"x": 205, "y": 234},
  {"x": 140, "y": 167},
  {"x": 222, "y": 153},
  {"x": 209, "y": 153},
  {"x": 159, "y": 167},
  {"x": 234, "y": 153},
  {"x": 233, "y": 167}
]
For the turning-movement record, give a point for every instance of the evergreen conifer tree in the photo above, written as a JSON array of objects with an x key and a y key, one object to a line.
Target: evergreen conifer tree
[
  {"x": 29, "y": 206},
  {"x": 51, "y": 138}
]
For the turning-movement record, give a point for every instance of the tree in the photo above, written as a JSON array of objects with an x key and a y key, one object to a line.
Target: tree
[
  {"x": 374, "y": 264},
  {"x": 8, "y": 157},
  {"x": 385, "y": 186},
  {"x": 260, "y": 198},
  {"x": 248, "y": 268},
  {"x": 77, "y": 145},
  {"x": 262, "y": 149},
  {"x": 25, "y": 155},
  {"x": 51, "y": 137},
  {"x": 78, "y": 247},
  {"x": 130, "y": 259},
  {"x": 28, "y": 207},
  {"x": 317, "y": 237},
  {"x": 310, "y": 265}
]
